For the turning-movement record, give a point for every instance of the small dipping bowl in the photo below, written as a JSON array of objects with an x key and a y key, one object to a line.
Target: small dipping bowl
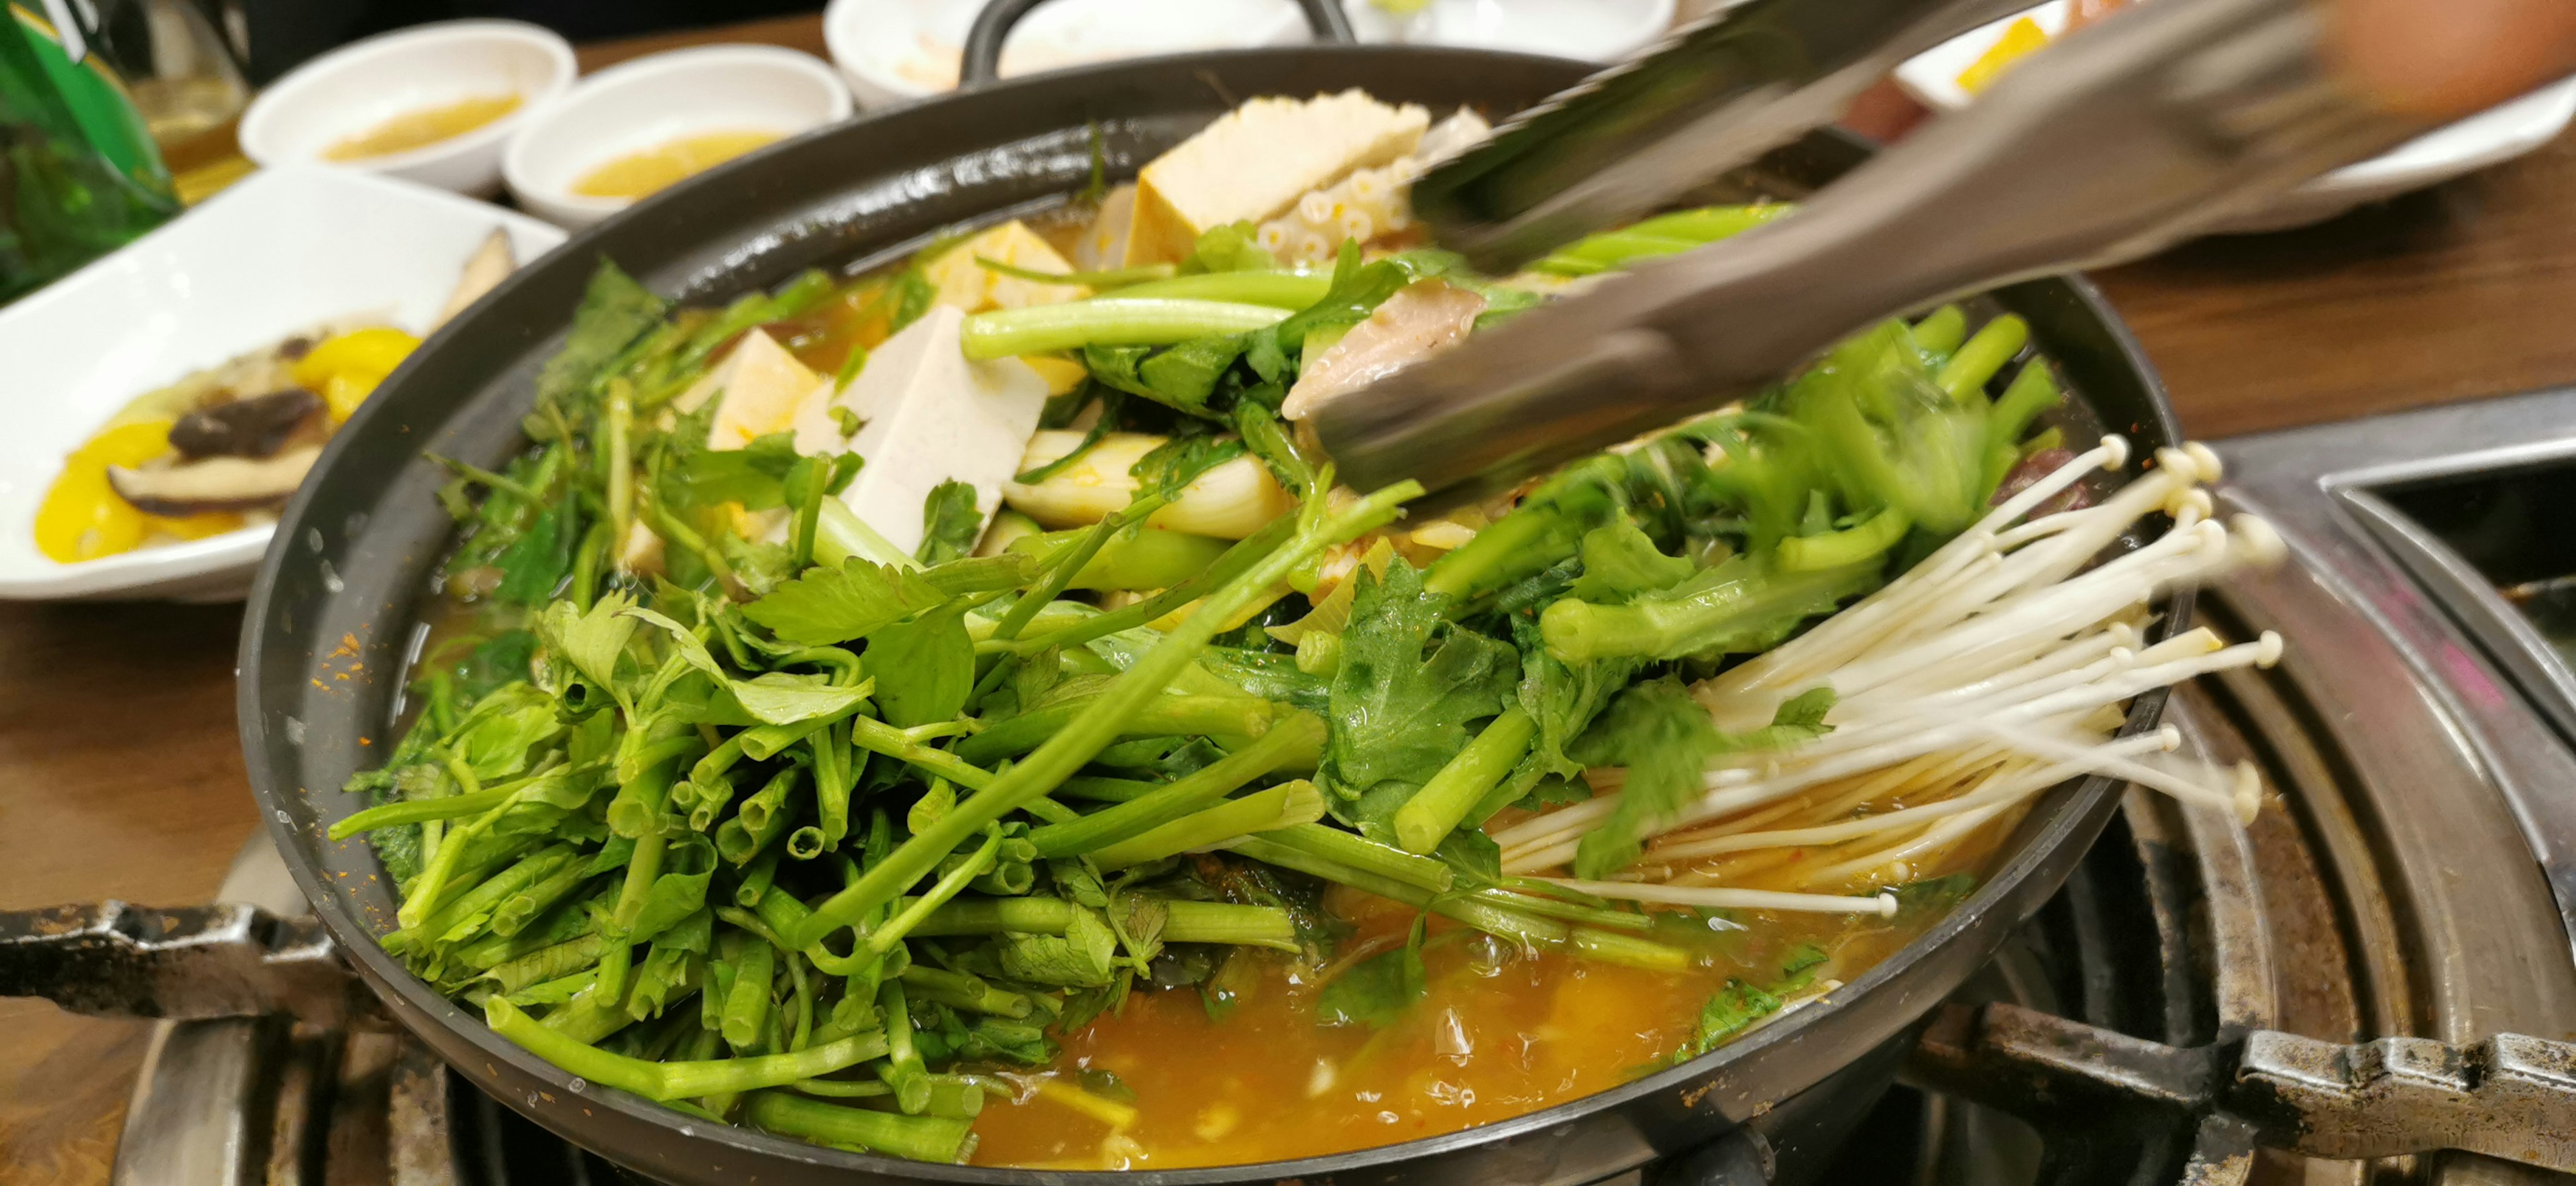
[
  {"x": 359, "y": 87},
  {"x": 892, "y": 51},
  {"x": 655, "y": 101}
]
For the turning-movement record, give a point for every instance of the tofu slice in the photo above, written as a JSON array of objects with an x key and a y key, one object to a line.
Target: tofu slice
[
  {"x": 930, "y": 417},
  {"x": 1256, "y": 161},
  {"x": 1104, "y": 246},
  {"x": 973, "y": 288},
  {"x": 761, "y": 385}
]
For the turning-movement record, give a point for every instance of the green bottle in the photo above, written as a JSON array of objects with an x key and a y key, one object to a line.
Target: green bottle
[{"x": 79, "y": 174}]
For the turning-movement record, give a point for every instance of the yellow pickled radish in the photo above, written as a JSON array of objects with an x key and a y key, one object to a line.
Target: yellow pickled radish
[
  {"x": 344, "y": 369},
  {"x": 82, "y": 518},
  {"x": 2021, "y": 39}
]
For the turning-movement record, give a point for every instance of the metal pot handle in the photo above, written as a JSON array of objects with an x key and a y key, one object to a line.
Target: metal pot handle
[
  {"x": 2509, "y": 1096},
  {"x": 982, "y": 61},
  {"x": 198, "y": 962}
]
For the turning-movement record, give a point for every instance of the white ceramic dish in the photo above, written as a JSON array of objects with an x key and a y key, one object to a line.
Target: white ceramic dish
[
  {"x": 283, "y": 251},
  {"x": 894, "y": 50},
  {"x": 654, "y": 100},
  {"x": 2489, "y": 138},
  {"x": 1592, "y": 30},
  {"x": 361, "y": 85}
]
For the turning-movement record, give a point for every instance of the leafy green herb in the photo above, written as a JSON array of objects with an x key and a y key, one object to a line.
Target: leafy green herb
[
  {"x": 614, "y": 312},
  {"x": 1376, "y": 991},
  {"x": 1408, "y": 685},
  {"x": 924, "y": 668},
  {"x": 1666, "y": 739},
  {"x": 950, "y": 523},
  {"x": 829, "y": 605}
]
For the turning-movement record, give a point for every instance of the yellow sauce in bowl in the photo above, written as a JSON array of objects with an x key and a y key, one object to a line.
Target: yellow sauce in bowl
[
  {"x": 639, "y": 173},
  {"x": 422, "y": 128}
]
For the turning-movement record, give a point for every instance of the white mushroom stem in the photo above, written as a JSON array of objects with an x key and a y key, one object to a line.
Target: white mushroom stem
[{"x": 1989, "y": 673}]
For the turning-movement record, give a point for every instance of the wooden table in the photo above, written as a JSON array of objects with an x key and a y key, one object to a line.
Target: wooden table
[{"x": 120, "y": 776}]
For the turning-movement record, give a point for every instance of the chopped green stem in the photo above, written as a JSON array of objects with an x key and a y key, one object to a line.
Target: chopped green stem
[
  {"x": 1105, "y": 790},
  {"x": 878, "y": 737},
  {"x": 1434, "y": 811},
  {"x": 1598, "y": 916},
  {"x": 1985, "y": 353},
  {"x": 958, "y": 990},
  {"x": 413, "y": 811},
  {"x": 677, "y": 1080},
  {"x": 1613, "y": 947},
  {"x": 839, "y": 535},
  {"x": 1107, "y": 321},
  {"x": 1179, "y": 716},
  {"x": 994, "y": 916},
  {"x": 480, "y": 901},
  {"x": 746, "y": 1008},
  {"x": 1941, "y": 331},
  {"x": 1196, "y": 791},
  {"x": 1106, "y": 278},
  {"x": 1269, "y": 809},
  {"x": 902, "y": 1070},
  {"x": 1210, "y": 574},
  {"x": 1227, "y": 922},
  {"x": 882, "y": 939},
  {"x": 1084, "y": 737},
  {"x": 1359, "y": 852},
  {"x": 621, "y": 465},
  {"x": 1866, "y": 540},
  {"x": 1672, "y": 626},
  {"x": 1068, "y": 560},
  {"x": 921, "y": 1138},
  {"x": 1484, "y": 916},
  {"x": 1132, "y": 560},
  {"x": 1291, "y": 291}
]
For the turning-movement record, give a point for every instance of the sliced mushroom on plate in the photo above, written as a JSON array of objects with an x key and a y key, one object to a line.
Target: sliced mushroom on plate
[
  {"x": 214, "y": 483},
  {"x": 257, "y": 426}
]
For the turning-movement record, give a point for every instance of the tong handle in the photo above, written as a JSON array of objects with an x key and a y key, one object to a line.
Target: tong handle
[
  {"x": 2127, "y": 137},
  {"x": 114, "y": 960},
  {"x": 1636, "y": 137}
]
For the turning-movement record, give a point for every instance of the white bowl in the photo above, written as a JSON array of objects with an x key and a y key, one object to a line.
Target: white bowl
[
  {"x": 654, "y": 100},
  {"x": 361, "y": 85},
  {"x": 1589, "y": 30},
  {"x": 894, "y": 50},
  {"x": 283, "y": 251},
  {"x": 2488, "y": 138}
]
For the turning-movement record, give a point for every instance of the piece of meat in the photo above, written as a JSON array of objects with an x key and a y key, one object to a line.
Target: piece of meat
[{"x": 1420, "y": 320}]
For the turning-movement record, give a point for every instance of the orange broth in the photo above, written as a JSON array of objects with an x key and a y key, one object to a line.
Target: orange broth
[{"x": 1500, "y": 1033}]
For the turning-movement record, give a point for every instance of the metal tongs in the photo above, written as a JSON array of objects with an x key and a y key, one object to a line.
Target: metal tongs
[{"x": 2127, "y": 137}]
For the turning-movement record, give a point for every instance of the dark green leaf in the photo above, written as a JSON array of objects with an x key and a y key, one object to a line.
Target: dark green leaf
[
  {"x": 828, "y": 605},
  {"x": 950, "y": 523},
  {"x": 614, "y": 311},
  {"x": 1377, "y": 990},
  {"x": 1620, "y": 563},
  {"x": 924, "y": 668},
  {"x": 536, "y": 564},
  {"x": 779, "y": 698},
  {"x": 1082, "y": 957},
  {"x": 1409, "y": 683},
  {"x": 754, "y": 475}
]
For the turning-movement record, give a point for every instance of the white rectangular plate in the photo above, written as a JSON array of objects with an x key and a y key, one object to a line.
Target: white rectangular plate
[{"x": 281, "y": 252}]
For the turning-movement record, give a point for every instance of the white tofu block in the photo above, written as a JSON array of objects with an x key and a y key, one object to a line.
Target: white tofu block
[
  {"x": 972, "y": 287},
  {"x": 930, "y": 416},
  {"x": 761, "y": 386},
  {"x": 1257, "y": 160}
]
